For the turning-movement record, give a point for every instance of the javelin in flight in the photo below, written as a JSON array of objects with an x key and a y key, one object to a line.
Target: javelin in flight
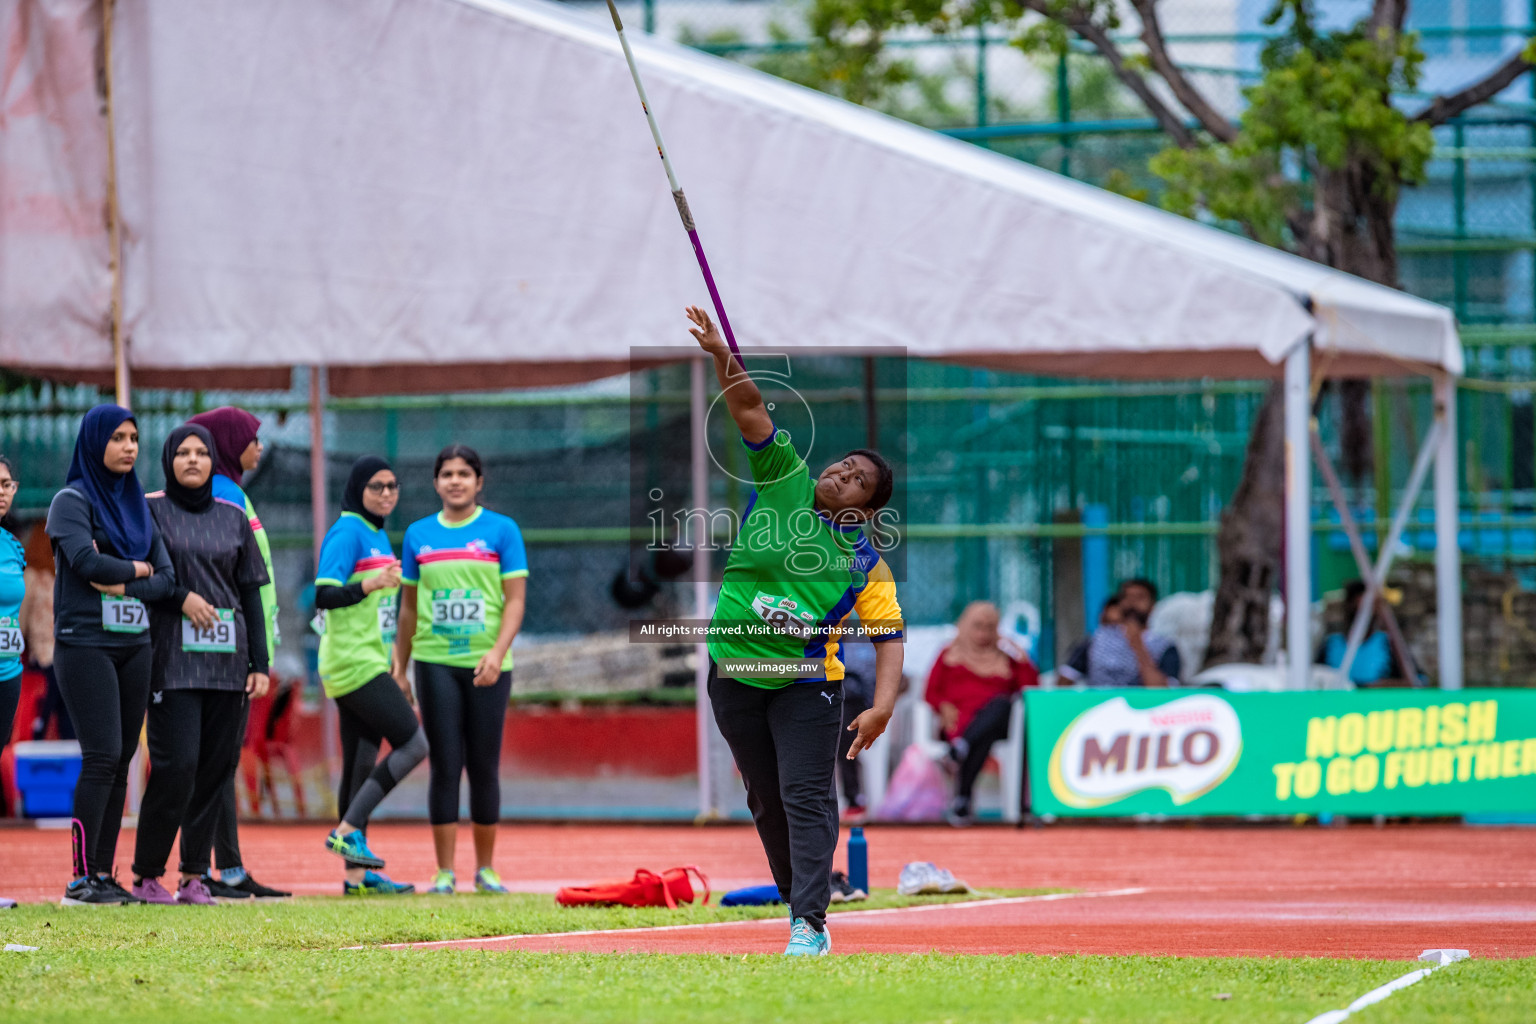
[{"x": 677, "y": 191}]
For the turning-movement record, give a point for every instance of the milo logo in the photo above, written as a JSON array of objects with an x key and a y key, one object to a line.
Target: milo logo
[{"x": 1112, "y": 751}]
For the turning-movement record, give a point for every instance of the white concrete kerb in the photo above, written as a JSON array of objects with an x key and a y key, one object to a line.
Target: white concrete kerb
[{"x": 1437, "y": 958}]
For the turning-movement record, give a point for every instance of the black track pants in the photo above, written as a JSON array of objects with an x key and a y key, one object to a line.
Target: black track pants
[
  {"x": 226, "y": 824},
  {"x": 464, "y": 724},
  {"x": 785, "y": 744},
  {"x": 191, "y": 734},
  {"x": 105, "y": 690}
]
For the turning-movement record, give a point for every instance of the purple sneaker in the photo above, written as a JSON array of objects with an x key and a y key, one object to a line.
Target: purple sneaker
[
  {"x": 151, "y": 891},
  {"x": 194, "y": 893}
]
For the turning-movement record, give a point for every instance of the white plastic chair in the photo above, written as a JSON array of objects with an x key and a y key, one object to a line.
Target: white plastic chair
[
  {"x": 924, "y": 644},
  {"x": 1008, "y": 753}
]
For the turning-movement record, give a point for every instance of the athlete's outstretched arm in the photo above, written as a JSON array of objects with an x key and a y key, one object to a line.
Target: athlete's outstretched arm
[{"x": 740, "y": 390}]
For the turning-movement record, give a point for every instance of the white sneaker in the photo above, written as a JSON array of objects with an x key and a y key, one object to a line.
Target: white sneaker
[{"x": 917, "y": 878}]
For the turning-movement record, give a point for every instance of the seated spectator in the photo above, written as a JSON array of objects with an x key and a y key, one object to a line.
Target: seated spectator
[
  {"x": 1375, "y": 664},
  {"x": 1069, "y": 669},
  {"x": 972, "y": 686},
  {"x": 858, "y": 657},
  {"x": 1121, "y": 651}
]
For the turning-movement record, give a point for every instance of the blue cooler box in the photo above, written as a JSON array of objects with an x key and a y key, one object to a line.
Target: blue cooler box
[{"x": 46, "y": 772}]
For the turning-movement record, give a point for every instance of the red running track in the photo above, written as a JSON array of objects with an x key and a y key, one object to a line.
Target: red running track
[{"x": 1208, "y": 891}]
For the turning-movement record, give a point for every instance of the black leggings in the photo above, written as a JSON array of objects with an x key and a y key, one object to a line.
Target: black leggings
[
  {"x": 191, "y": 734},
  {"x": 785, "y": 744},
  {"x": 10, "y": 696},
  {"x": 463, "y": 723},
  {"x": 374, "y": 712},
  {"x": 988, "y": 727},
  {"x": 105, "y": 690}
]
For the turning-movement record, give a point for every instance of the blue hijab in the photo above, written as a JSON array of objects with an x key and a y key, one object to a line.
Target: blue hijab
[{"x": 117, "y": 499}]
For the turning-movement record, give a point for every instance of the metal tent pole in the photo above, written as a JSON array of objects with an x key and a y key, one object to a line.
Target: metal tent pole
[
  {"x": 1298, "y": 519},
  {"x": 319, "y": 519},
  {"x": 699, "y": 456},
  {"x": 121, "y": 376},
  {"x": 1377, "y": 578},
  {"x": 1447, "y": 539}
]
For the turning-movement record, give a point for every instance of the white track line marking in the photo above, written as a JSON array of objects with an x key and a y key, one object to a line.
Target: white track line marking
[
  {"x": 1376, "y": 995},
  {"x": 839, "y": 916}
]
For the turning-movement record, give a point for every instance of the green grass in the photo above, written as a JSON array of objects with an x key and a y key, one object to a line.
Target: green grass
[
  {"x": 283, "y": 961},
  {"x": 324, "y": 923}
]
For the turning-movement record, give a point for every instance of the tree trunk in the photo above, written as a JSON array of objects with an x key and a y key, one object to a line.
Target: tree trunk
[
  {"x": 1248, "y": 543},
  {"x": 1350, "y": 227}
]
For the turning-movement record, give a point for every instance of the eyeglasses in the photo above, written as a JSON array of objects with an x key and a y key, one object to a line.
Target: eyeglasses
[
  {"x": 9, "y": 486},
  {"x": 385, "y": 488}
]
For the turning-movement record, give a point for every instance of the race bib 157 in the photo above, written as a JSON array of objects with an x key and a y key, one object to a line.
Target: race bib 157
[{"x": 123, "y": 614}]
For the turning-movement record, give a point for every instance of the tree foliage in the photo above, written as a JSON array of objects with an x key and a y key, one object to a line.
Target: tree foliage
[{"x": 1324, "y": 105}]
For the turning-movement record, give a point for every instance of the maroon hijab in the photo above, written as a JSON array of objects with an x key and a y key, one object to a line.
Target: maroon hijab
[{"x": 233, "y": 431}]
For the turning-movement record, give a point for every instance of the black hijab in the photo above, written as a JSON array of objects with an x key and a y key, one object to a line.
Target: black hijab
[
  {"x": 352, "y": 498},
  {"x": 194, "y": 499}
]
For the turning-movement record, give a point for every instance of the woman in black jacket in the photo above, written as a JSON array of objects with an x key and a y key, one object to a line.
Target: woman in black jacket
[{"x": 110, "y": 561}]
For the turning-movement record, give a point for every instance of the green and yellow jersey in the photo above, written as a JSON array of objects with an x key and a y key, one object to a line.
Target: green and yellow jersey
[{"x": 794, "y": 576}]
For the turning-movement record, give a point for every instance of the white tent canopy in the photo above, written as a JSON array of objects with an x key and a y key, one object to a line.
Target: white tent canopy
[
  {"x": 437, "y": 194},
  {"x": 458, "y": 194}
]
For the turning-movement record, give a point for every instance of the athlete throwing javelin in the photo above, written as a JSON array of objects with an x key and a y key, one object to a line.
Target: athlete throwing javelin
[{"x": 799, "y": 566}]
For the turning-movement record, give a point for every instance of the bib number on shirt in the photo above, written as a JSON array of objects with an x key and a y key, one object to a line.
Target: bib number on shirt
[
  {"x": 123, "y": 614},
  {"x": 784, "y": 615},
  {"x": 218, "y": 638},
  {"x": 10, "y": 637},
  {"x": 389, "y": 619},
  {"x": 458, "y": 612}
]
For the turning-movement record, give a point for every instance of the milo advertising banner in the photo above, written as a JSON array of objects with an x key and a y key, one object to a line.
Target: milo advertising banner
[{"x": 1178, "y": 752}]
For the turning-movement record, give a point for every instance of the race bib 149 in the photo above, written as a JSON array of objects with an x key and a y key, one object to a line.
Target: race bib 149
[{"x": 219, "y": 638}]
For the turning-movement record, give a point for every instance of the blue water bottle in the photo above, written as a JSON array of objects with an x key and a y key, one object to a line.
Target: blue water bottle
[{"x": 858, "y": 859}]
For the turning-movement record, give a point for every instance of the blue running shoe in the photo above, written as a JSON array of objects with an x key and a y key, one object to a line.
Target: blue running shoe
[
  {"x": 354, "y": 848},
  {"x": 375, "y": 884},
  {"x": 487, "y": 880},
  {"x": 807, "y": 941}
]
